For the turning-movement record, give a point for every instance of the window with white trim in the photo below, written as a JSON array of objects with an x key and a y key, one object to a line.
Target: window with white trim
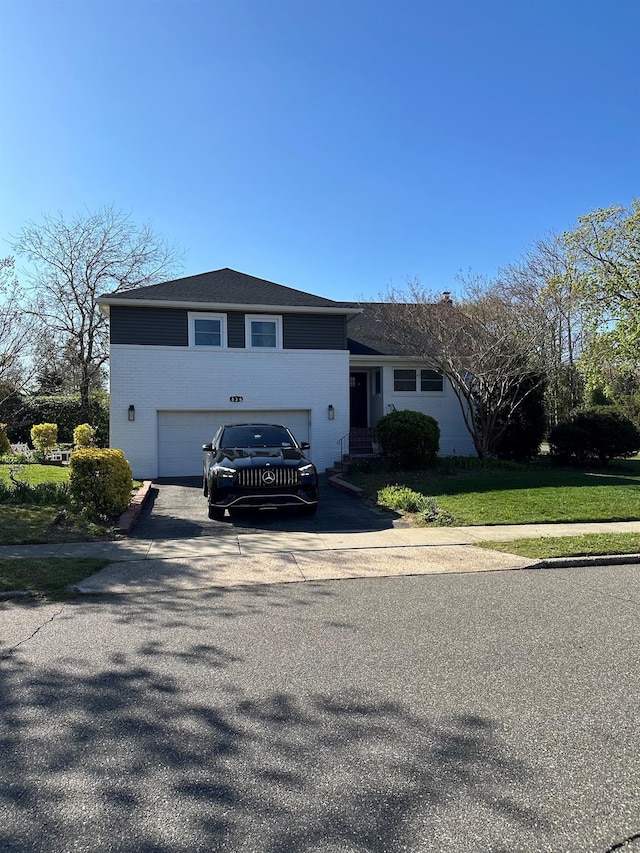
[
  {"x": 431, "y": 380},
  {"x": 263, "y": 331},
  {"x": 207, "y": 330},
  {"x": 406, "y": 380}
]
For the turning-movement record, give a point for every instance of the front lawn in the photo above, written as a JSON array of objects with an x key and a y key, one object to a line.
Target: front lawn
[
  {"x": 530, "y": 495},
  {"x": 46, "y": 575},
  {"x": 34, "y": 474},
  {"x": 589, "y": 544},
  {"x": 30, "y": 524}
]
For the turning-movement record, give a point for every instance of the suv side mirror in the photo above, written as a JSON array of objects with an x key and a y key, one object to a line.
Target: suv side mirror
[
  {"x": 207, "y": 447},
  {"x": 305, "y": 445}
]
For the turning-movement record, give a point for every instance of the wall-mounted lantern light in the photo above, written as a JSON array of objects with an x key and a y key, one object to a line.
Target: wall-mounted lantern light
[
  {"x": 131, "y": 413},
  {"x": 331, "y": 412}
]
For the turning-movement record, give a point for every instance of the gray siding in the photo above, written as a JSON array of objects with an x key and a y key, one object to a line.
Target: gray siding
[
  {"x": 235, "y": 329},
  {"x": 149, "y": 326},
  {"x": 169, "y": 327},
  {"x": 314, "y": 331}
]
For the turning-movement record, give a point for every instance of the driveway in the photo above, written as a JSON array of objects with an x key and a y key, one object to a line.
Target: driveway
[{"x": 176, "y": 509}]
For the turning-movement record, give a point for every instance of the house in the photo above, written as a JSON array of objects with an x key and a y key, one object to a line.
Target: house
[{"x": 190, "y": 354}]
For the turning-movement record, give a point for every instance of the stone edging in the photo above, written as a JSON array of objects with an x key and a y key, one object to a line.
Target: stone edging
[
  {"x": 337, "y": 482},
  {"x": 130, "y": 515}
]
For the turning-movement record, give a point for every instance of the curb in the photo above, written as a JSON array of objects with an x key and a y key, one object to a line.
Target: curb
[
  {"x": 130, "y": 515},
  {"x": 586, "y": 561},
  {"x": 549, "y": 563}
]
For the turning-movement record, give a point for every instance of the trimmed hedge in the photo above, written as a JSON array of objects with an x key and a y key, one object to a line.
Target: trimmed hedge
[
  {"x": 410, "y": 438},
  {"x": 594, "y": 435},
  {"x": 61, "y": 409},
  {"x": 100, "y": 482}
]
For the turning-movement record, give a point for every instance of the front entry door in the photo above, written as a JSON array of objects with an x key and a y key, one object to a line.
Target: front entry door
[{"x": 358, "y": 400}]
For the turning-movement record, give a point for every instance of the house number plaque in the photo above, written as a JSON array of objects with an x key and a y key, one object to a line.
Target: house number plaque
[{"x": 236, "y": 399}]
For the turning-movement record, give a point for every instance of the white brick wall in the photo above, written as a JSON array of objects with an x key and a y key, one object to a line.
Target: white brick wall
[
  {"x": 185, "y": 379},
  {"x": 444, "y": 407}
]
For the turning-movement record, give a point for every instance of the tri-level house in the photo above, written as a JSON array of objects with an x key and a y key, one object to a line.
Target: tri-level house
[{"x": 225, "y": 347}]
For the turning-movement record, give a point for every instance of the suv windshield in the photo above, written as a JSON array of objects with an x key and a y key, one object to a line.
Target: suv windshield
[{"x": 256, "y": 436}]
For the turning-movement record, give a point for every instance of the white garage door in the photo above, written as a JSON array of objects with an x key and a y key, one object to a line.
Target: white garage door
[{"x": 182, "y": 434}]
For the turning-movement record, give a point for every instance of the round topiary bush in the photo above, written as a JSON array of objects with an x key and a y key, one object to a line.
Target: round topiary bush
[
  {"x": 410, "y": 438},
  {"x": 594, "y": 435}
]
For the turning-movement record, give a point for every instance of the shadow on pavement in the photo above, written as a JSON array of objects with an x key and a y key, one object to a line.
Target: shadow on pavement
[
  {"x": 176, "y": 508},
  {"x": 126, "y": 757}
]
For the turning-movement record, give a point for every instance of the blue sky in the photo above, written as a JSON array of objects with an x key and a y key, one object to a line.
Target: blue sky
[{"x": 336, "y": 146}]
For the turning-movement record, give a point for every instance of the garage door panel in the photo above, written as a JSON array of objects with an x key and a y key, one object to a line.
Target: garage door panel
[{"x": 182, "y": 434}]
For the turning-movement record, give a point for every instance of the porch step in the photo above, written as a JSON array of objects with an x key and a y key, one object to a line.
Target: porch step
[{"x": 361, "y": 441}]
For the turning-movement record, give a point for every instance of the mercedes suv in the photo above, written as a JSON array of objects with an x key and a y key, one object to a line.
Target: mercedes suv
[{"x": 258, "y": 465}]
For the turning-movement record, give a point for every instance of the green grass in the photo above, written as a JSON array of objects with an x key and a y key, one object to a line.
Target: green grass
[
  {"x": 46, "y": 575},
  {"x": 34, "y": 474},
  {"x": 535, "y": 494},
  {"x": 589, "y": 544},
  {"x": 30, "y": 524}
]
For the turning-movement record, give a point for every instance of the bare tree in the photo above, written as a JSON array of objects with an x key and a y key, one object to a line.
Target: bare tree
[
  {"x": 75, "y": 261},
  {"x": 14, "y": 327},
  {"x": 545, "y": 286},
  {"x": 479, "y": 342}
]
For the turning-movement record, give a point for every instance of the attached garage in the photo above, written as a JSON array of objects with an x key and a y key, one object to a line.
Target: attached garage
[{"x": 182, "y": 434}]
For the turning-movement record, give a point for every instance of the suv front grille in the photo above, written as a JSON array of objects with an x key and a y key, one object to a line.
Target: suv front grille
[{"x": 253, "y": 478}]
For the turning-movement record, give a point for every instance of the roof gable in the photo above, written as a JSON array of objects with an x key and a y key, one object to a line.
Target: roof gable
[{"x": 224, "y": 287}]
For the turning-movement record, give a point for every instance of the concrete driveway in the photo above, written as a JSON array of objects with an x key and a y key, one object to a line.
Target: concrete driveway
[{"x": 177, "y": 509}]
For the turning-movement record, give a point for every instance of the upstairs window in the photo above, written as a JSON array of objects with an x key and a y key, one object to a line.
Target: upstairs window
[
  {"x": 207, "y": 330},
  {"x": 263, "y": 331}
]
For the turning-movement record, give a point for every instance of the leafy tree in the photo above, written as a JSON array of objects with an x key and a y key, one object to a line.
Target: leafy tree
[
  {"x": 74, "y": 262},
  {"x": 605, "y": 249}
]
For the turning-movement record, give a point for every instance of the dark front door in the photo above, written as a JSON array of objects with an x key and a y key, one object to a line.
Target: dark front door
[{"x": 358, "y": 400}]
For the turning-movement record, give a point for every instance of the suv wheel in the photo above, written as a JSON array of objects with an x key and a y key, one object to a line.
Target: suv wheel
[{"x": 216, "y": 512}]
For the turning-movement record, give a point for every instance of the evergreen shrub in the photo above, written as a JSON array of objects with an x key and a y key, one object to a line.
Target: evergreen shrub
[
  {"x": 100, "y": 482},
  {"x": 594, "y": 435},
  {"x": 411, "y": 438}
]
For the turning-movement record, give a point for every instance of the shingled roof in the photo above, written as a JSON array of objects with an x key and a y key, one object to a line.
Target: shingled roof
[
  {"x": 225, "y": 287},
  {"x": 367, "y": 334}
]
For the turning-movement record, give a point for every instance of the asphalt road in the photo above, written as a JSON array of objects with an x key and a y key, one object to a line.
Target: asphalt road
[{"x": 488, "y": 713}]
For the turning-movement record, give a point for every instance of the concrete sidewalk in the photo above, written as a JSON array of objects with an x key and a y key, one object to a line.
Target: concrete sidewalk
[{"x": 276, "y": 557}]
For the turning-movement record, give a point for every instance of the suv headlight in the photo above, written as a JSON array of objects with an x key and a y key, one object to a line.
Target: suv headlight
[
  {"x": 225, "y": 473},
  {"x": 306, "y": 470}
]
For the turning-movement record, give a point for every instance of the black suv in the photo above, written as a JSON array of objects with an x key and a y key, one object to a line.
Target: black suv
[{"x": 258, "y": 465}]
